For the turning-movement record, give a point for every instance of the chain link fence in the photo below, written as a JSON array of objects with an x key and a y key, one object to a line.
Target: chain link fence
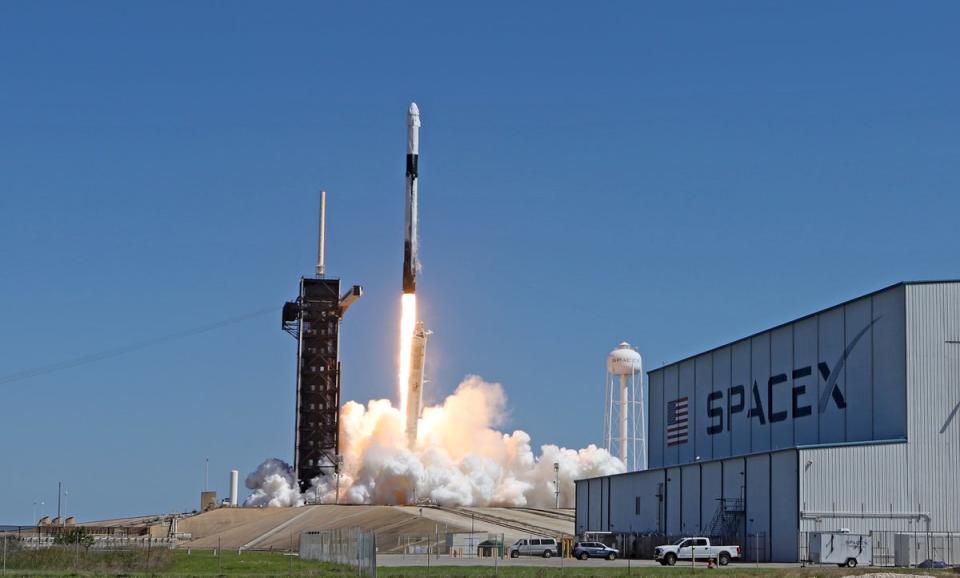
[{"x": 350, "y": 546}]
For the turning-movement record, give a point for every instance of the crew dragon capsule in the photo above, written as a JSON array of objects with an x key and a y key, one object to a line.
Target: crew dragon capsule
[{"x": 410, "y": 264}]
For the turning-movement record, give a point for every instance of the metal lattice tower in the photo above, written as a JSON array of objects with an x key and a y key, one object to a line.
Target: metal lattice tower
[{"x": 314, "y": 321}]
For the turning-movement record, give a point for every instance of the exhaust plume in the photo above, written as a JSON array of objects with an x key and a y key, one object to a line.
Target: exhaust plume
[{"x": 460, "y": 458}]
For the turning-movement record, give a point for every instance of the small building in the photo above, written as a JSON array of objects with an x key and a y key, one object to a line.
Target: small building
[
  {"x": 846, "y": 418},
  {"x": 208, "y": 501},
  {"x": 490, "y": 549},
  {"x": 466, "y": 544}
]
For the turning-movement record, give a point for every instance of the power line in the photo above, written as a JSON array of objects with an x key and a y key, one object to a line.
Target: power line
[{"x": 135, "y": 346}]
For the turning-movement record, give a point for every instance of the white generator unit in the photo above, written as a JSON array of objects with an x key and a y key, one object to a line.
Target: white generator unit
[{"x": 841, "y": 548}]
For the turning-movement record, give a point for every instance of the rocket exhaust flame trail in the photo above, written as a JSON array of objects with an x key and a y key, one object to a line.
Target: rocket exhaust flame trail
[{"x": 408, "y": 321}]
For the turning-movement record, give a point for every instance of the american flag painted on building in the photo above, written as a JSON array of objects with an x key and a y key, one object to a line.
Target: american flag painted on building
[{"x": 677, "y": 421}]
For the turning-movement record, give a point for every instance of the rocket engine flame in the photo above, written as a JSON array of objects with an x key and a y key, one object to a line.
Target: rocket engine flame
[{"x": 408, "y": 321}]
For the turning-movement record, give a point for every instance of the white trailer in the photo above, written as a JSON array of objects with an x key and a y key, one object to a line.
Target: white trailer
[{"x": 841, "y": 548}]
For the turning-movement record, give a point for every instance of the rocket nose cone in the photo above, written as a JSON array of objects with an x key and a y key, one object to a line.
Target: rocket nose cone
[{"x": 413, "y": 115}]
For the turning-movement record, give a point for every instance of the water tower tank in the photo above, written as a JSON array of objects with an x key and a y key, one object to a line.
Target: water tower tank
[{"x": 624, "y": 360}]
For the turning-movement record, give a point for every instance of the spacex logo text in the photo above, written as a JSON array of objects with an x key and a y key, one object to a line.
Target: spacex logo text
[
  {"x": 759, "y": 404},
  {"x": 737, "y": 400}
]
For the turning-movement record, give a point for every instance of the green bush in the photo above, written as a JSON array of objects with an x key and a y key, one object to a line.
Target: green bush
[{"x": 79, "y": 536}]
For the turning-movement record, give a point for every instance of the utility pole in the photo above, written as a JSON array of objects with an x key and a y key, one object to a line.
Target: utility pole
[
  {"x": 340, "y": 457},
  {"x": 59, "y": 494},
  {"x": 556, "y": 483}
]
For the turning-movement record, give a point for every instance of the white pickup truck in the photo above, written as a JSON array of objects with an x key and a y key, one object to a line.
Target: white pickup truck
[{"x": 695, "y": 549}]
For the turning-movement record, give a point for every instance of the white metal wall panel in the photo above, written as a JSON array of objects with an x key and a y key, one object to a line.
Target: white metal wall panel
[
  {"x": 889, "y": 365},
  {"x": 778, "y": 395},
  {"x": 784, "y": 515},
  {"x": 739, "y": 400},
  {"x": 806, "y": 391},
  {"x": 759, "y": 428},
  {"x": 674, "y": 495},
  {"x": 686, "y": 391},
  {"x": 933, "y": 377},
  {"x": 721, "y": 384},
  {"x": 690, "y": 504},
  {"x": 861, "y": 487},
  {"x": 702, "y": 443},
  {"x": 832, "y": 419},
  {"x": 858, "y": 370},
  {"x": 656, "y": 425},
  {"x": 758, "y": 496}
]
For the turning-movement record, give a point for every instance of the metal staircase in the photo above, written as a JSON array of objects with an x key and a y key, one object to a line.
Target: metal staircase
[{"x": 728, "y": 519}]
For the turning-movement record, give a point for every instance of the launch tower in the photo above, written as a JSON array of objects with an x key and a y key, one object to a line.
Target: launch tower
[{"x": 313, "y": 319}]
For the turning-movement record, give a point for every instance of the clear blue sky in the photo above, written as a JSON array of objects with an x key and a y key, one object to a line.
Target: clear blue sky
[{"x": 674, "y": 174}]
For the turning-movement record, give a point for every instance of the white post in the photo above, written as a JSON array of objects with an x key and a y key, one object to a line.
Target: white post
[
  {"x": 556, "y": 484},
  {"x": 608, "y": 413},
  {"x": 756, "y": 548},
  {"x": 321, "y": 265},
  {"x": 640, "y": 425},
  {"x": 234, "y": 487},
  {"x": 624, "y": 419}
]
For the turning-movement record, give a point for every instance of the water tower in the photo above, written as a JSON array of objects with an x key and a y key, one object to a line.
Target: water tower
[{"x": 624, "y": 427}]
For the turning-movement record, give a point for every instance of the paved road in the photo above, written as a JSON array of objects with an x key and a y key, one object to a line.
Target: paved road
[{"x": 443, "y": 560}]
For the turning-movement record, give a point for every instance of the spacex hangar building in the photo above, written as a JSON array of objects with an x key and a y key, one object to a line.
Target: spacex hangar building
[{"x": 844, "y": 419}]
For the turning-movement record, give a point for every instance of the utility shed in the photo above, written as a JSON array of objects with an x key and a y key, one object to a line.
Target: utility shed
[{"x": 845, "y": 418}]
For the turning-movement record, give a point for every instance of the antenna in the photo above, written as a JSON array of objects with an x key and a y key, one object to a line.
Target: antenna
[{"x": 323, "y": 234}]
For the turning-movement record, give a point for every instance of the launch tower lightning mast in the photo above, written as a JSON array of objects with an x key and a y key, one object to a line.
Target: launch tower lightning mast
[{"x": 314, "y": 321}]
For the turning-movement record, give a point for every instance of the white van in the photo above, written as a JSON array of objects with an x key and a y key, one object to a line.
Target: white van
[{"x": 545, "y": 547}]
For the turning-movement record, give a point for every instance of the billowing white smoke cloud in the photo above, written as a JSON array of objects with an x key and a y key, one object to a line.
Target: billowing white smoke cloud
[
  {"x": 273, "y": 485},
  {"x": 459, "y": 459}
]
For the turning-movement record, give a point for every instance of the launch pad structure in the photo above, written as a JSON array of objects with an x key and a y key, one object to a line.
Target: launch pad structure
[{"x": 313, "y": 319}]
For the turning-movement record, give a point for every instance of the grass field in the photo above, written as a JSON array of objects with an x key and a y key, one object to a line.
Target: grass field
[{"x": 205, "y": 563}]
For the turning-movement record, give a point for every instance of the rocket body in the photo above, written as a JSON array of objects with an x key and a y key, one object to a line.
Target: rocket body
[
  {"x": 410, "y": 263},
  {"x": 418, "y": 352}
]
